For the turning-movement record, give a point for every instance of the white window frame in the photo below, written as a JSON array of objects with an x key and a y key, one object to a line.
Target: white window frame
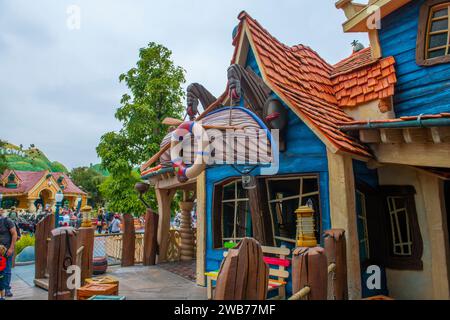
[
  {"x": 236, "y": 201},
  {"x": 398, "y": 246},
  {"x": 363, "y": 217}
]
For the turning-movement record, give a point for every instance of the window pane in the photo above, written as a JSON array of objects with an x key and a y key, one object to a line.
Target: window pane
[
  {"x": 403, "y": 224},
  {"x": 437, "y": 53},
  {"x": 228, "y": 192},
  {"x": 242, "y": 193},
  {"x": 440, "y": 13},
  {"x": 243, "y": 225},
  {"x": 439, "y": 25},
  {"x": 438, "y": 40},
  {"x": 228, "y": 219},
  {"x": 286, "y": 188},
  {"x": 310, "y": 185},
  {"x": 285, "y": 218}
]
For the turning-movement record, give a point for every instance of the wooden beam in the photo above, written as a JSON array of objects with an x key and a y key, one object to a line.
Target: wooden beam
[
  {"x": 375, "y": 44},
  {"x": 435, "y": 213},
  {"x": 164, "y": 198},
  {"x": 201, "y": 229},
  {"x": 343, "y": 214},
  {"x": 415, "y": 135},
  {"x": 172, "y": 182},
  {"x": 369, "y": 135},
  {"x": 440, "y": 134},
  {"x": 391, "y": 135},
  {"x": 414, "y": 154},
  {"x": 358, "y": 23}
]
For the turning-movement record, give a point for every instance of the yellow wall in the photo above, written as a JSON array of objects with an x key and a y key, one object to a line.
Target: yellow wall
[{"x": 405, "y": 284}]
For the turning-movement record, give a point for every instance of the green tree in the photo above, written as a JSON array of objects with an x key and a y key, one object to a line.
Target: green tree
[
  {"x": 155, "y": 93},
  {"x": 3, "y": 162},
  {"x": 90, "y": 180}
]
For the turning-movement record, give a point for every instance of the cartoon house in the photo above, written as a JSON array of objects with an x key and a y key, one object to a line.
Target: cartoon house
[
  {"x": 360, "y": 155},
  {"x": 27, "y": 189}
]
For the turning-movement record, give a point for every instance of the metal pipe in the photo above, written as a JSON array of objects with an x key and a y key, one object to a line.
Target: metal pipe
[{"x": 418, "y": 123}]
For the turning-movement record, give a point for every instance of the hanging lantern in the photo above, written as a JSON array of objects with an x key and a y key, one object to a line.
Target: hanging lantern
[{"x": 306, "y": 236}]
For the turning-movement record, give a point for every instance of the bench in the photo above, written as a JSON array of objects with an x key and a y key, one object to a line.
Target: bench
[{"x": 276, "y": 258}]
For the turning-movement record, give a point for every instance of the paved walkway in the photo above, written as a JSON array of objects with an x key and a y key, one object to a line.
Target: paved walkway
[{"x": 136, "y": 283}]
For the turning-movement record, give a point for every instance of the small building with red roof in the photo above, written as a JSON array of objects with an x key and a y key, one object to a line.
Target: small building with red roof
[{"x": 28, "y": 189}]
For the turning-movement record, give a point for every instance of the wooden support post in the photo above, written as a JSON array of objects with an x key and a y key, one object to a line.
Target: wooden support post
[
  {"x": 43, "y": 232},
  {"x": 256, "y": 211},
  {"x": 343, "y": 214},
  {"x": 150, "y": 238},
  {"x": 186, "y": 233},
  {"x": 62, "y": 253},
  {"x": 201, "y": 229},
  {"x": 128, "y": 241},
  {"x": 164, "y": 197},
  {"x": 86, "y": 240},
  {"x": 310, "y": 269},
  {"x": 336, "y": 254},
  {"x": 435, "y": 213}
]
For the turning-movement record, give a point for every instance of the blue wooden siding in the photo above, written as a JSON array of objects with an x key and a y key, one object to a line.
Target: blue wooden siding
[
  {"x": 364, "y": 174},
  {"x": 305, "y": 154},
  {"x": 419, "y": 89}
]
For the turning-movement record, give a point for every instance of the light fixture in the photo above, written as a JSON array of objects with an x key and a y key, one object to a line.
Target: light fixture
[
  {"x": 59, "y": 196},
  {"x": 306, "y": 236}
]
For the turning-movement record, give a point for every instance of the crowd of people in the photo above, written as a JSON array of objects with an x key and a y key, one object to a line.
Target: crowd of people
[
  {"x": 108, "y": 222},
  {"x": 14, "y": 222}
]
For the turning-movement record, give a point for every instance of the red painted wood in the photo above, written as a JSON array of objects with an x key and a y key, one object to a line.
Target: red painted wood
[{"x": 277, "y": 261}]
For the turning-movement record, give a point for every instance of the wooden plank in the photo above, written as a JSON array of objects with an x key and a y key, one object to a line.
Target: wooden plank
[
  {"x": 369, "y": 135},
  {"x": 150, "y": 238},
  {"x": 414, "y": 135},
  {"x": 343, "y": 214},
  {"x": 128, "y": 241},
  {"x": 43, "y": 229},
  {"x": 164, "y": 198},
  {"x": 391, "y": 135},
  {"x": 415, "y": 154},
  {"x": 41, "y": 283},
  {"x": 278, "y": 273},
  {"x": 172, "y": 182},
  {"x": 85, "y": 239},
  {"x": 276, "y": 250},
  {"x": 440, "y": 134},
  {"x": 201, "y": 229},
  {"x": 257, "y": 214},
  {"x": 336, "y": 255},
  {"x": 62, "y": 251}
]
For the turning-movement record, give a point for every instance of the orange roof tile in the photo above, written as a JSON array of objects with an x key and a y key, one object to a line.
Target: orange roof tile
[
  {"x": 303, "y": 79},
  {"x": 360, "y": 79}
]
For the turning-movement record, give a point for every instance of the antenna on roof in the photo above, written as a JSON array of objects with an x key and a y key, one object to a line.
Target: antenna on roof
[{"x": 357, "y": 46}]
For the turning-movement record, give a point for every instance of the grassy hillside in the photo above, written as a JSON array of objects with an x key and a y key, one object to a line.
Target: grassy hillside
[{"x": 31, "y": 159}]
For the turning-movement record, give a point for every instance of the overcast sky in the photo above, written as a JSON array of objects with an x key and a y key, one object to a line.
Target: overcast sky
[{"x": 59, "y": 86}]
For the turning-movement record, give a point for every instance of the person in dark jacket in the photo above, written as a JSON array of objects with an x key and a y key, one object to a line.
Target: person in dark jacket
[{"x": 8, "y": 238}]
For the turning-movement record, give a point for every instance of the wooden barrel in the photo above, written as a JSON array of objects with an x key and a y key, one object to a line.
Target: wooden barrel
[{"x": 100, "y": 265}]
